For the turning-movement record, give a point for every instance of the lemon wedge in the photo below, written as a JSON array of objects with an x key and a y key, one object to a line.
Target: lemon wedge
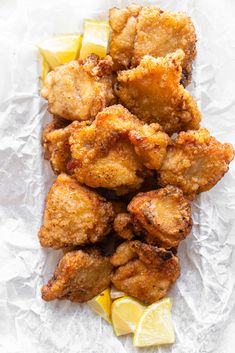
[
  {"x": 115, "y": 293},
  {"x": 60, "y": 49},
  {"x": 155, "y": 325},
  {"x": 95, "y": 39},
  {"x": 45, "y": 70},
  {"x": 101, "y": 304},
  {"x": 126, "y": 313}
]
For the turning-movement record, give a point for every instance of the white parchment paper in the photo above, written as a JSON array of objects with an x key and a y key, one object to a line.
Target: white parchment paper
[{"x": 204, "y": 296}]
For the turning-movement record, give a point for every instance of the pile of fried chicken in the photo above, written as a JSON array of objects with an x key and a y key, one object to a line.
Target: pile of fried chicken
[{"x": 130, "y": 155}]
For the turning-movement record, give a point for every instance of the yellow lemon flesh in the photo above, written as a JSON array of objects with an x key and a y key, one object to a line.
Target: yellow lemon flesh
[
  {"x": 115, "y": 293},
  {"x": 45, "y": 70},
  {"x": 101, "y": 304},
  {"x": 126, "y": 313},
  {"x": 60, "y": 49},
  {"x": 95, "y": 39},
  {"x": 155, "y": 325}
]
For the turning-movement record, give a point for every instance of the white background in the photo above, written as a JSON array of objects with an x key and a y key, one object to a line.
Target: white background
[{"x": 204, "y": 296}]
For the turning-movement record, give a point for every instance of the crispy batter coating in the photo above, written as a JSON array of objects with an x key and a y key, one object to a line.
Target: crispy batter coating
[
  {"x": 79, "y": 89},
  {"x": 195, "y": 162},
  {"x": 160, "y": 33},
  {"x": 56, "y": 144},
  {"x": 150, "y": 144},
  {"x": 139, "y": 31},
  {"x": 164, "y": 215},
  {"x": 152, "y": 91},
  {"x": 103, "y": 153},
  {"x": 74, "y": 215},
  {"x": 144, "y": 271},
  {"x": 123, "y": 24},
  {"x": 124, "y": 226},
  {"x": 79, "y": 276}
]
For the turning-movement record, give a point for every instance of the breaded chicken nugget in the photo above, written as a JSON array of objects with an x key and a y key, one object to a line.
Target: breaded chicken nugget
[
  {"x": 152, "y": 91},
  {"x": 159, "y": 33},
  {"x": 144, "y": 271},
  {"x": 79, "y": 89},
  {"x": 164, "y": 215},
  {"x": 195, "y": 162},
  {"x": 74, "y": 215},
  {"x": 139, "y": 31},
  {"x": 79, "y": 276},
  {"x": 111, "y": 152}
]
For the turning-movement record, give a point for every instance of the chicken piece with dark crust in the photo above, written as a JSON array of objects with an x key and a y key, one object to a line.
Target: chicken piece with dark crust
[
  {"x": 79, "y": 89},
  {"x": 162, "y": 217},
  {"x": 74, "y": 215},
  {"x": 152, "y": 91},
  {"x": 139, "y": 31},
  {"x": 79, "y": 276},
  {"x": 144, "y": 271},
  {"x": 108, "y": 153},
  {"x": 195, "y": 162}
]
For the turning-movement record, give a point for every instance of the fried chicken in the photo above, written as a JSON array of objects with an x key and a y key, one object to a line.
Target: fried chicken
[
  {"x": 163, "y": 216},
  {"x": 74, "y": 215},
  {"x": 123, "y": 24},
  {"x": 56, "y": 144},
  {"x": 79, "y": 89},
  {"x": 195, "y": 162},
  {"x": 79, "y": 276},
  {"x": 152, "y": 91},
  {"x": 150, "y": 144},
  {"x": 144, "y": 271},
  {"x": 103, "y": 153},
  {"x": 139, "y": 31}
]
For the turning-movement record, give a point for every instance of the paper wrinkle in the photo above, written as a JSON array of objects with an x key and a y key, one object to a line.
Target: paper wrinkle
[{"x": 204, "y": 296}]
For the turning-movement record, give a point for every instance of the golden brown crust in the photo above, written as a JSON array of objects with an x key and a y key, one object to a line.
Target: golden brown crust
[
  {"x": 123, "y": 24},
  {"x": 152, "y": 91},
  {"x": 139, "y": 31},
  {"x": 56, "y": 145},
  {"x": 79, "y": 276},
  {"x": 145, "y": 272},
  {"x": 111, "y": 152},
  {"x": 102, "y": 153},
  {"x": 195, "y": 162},
  {"x": 74, "y": 215},
  {"x": 160, "y": 32},
  {"x": 123, "y": 225},
  {"x": 164, "y": 216},
  {"x": 150, "y": 144},
  {"x": 79, "y": 89}
]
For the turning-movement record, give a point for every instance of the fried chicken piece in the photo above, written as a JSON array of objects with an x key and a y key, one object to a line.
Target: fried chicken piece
[
  {"x": 103, "y": 153},
  {"x": 195, "y": 162},
  {"x": 150, "y": 144},
  {"x": 123, "y": 24},
  {"x": 152, "y": 91},
  {"x": 79, "y": 89},
  {"x": 74, "y": 215},
  {"x": 56, "y": 144},
  {"x": 162, "y": 217},
  {"x": 79, "y": 276},
  {"x": 160, "y": 33},
  {"x": 144, "y": 271},
  {"x": 139, "y": 31}
]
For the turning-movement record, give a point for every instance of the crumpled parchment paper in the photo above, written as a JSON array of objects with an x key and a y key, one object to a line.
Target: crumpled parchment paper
[{"x": 204, "y": 296}]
